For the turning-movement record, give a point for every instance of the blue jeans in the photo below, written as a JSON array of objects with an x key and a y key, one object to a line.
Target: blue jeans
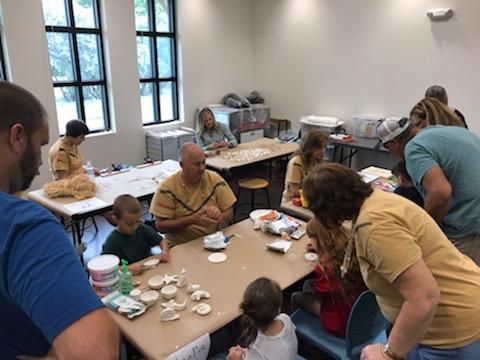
[{"x": 467, "y": 352}]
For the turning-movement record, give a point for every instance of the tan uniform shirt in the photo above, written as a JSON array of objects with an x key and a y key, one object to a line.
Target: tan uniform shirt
[
  {"x": 64, "y": 157},
  {"x": 295, "y": 175},
  {"x": 401, "y": 233},
  {"x": 174, "y": 199}
]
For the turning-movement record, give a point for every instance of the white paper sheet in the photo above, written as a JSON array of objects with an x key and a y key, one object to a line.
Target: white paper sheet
[
  {"x": 86, "y": 205},
  {"x": 196, "y": 350},
  {"x": 367, "y": 177}
]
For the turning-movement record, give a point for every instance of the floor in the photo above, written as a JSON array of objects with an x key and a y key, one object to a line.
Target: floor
[{"x": 93, "y": 240}]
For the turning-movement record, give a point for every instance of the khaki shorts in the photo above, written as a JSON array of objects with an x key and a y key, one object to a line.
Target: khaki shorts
[{"x": 469, "y": 245}]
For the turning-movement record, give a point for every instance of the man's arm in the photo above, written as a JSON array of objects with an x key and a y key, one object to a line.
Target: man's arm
[
  {"x": 173, "y": 225},
  {"x": 225, "y": 217},
  {"x": 94, "y": 333},
  {"x": 421, "y": 295},
  {"x": 438, "y": 193}
]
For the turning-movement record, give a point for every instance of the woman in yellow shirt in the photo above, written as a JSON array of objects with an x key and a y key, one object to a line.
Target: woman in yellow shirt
[
  {"x": 64, "y": 156},
  {"x": 424, "y": 286},
  {"x": 309, "y": 155}
]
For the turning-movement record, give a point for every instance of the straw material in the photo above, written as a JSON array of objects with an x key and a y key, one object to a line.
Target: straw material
[{"x": 79, "y": 186}]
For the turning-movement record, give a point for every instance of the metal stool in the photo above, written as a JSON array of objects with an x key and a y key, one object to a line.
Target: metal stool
[{"x": 253, "y": 184}]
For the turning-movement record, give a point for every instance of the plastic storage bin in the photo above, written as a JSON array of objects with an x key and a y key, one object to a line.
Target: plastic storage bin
[
  {"x": 246, "y": 124},
  {"x": 163, "y": 145}
]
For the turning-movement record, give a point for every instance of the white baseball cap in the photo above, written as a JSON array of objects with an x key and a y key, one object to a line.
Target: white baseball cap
[{"x": 391, "y": 127}]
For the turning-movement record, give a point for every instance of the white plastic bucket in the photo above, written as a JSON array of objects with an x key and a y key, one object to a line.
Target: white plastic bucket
[{"x": 103, "y": 267}]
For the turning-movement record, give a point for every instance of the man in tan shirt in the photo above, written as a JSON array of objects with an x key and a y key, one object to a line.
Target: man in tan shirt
[
  {"x": 192, "y": 202},
  {"x": 64, "y": 156}
]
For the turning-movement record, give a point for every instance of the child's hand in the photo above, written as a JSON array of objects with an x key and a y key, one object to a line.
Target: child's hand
[
  {"x": 164, "y": 256},
  {"x": 309, "y": 248},
  {"x": 236, "y": 353},
  {"x": 136, "y": 269}
]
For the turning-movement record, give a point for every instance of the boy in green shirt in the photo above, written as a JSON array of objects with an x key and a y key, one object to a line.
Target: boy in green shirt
[{"x": 132, "y": 240}]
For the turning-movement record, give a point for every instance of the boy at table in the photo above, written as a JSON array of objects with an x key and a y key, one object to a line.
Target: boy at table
[{"x": 132, "y": 240}]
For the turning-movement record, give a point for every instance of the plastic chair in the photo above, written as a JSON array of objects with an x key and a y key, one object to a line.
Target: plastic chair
[{"x": 366, "y": 325}]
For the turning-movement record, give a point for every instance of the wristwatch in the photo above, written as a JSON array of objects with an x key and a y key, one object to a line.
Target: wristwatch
[{"x": 387, "y": 351}]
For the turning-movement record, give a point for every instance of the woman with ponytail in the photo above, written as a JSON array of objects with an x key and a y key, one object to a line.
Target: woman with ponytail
[{"x": 266, "y": 333}]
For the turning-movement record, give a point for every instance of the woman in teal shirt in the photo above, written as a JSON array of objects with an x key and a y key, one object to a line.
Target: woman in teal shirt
[{"x": 210, "y": 134}]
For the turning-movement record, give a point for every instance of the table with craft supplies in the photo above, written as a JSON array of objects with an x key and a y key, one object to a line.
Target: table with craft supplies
[
  {"x": 379, "y": 178},
  {"x": 247, "y": 259},
  {"x": 248, "y": 153},
  {"x": 140, "y": 182}
]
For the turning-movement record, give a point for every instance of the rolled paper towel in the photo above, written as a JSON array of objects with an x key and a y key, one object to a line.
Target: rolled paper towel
[{"x": 323, "y": 120}]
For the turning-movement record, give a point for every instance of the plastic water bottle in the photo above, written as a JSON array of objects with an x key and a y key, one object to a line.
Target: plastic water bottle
[
  {"x": 89, "y": 170},
  {"x": 125, "y": 279}
]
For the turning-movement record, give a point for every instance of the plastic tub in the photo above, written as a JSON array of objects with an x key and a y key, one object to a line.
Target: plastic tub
[
  {"x": 105, "y": 286},
  {"x": 103, "y": 268}
]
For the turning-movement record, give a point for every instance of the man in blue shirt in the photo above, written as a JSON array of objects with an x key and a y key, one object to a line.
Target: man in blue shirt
[
  {"x": 443, "y": 164},
  {"x": 47, "y": 306}
]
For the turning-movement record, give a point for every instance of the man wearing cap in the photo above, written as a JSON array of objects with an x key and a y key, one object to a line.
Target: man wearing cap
[{"x": 443, "y": 164}]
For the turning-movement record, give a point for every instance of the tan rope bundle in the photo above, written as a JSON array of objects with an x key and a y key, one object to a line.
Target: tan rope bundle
[{"x": 79, "y": 186}]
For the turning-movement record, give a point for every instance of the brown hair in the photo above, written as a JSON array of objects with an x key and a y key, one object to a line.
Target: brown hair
[
  {"x": 431, "y": 111},
  {"x": 335, "y": 193},
  {"x": 438, "y": 92},
  {"x": 18, "y": 105},
  {"x": 332, "y": 243},
  {"x": 312, "y": 140},
  {"x": 400, "y": 169},
  {"x": 261, "y": 303},
  {"x": 126, "y": 203}
]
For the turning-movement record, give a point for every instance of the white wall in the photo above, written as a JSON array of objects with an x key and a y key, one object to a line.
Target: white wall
[
  {"x": 347, "y": 57},
  {"x": 215, "y": 57},
  {"x": 216, "y": 40}
]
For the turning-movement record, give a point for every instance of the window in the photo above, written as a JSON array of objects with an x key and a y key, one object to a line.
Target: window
[
  {"x": 75, "y": 47},
  {"x": 157, "y": 63}
]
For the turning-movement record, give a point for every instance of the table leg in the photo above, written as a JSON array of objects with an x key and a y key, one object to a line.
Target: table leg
[{"x": 76, "y": 232}]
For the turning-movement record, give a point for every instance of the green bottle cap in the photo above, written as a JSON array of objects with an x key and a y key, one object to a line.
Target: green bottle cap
[{"x": 124, "y": 266}]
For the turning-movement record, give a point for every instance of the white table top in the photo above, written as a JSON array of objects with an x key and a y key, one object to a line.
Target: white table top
[
  {"x": 138, "y": 182},
  {"x": 250, "y": 153}
]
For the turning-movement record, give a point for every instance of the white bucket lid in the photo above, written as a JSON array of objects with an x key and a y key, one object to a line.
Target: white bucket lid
[{"x": 103, "y": 263}]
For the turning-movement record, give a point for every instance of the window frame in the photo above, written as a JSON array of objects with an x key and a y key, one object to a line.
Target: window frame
[
  {"x": 78, "y": 84},
  {"x": 153, "y": 35}
]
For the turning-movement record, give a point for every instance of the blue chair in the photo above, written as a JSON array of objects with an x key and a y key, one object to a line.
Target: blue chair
[{"x": 366, "y": 325}]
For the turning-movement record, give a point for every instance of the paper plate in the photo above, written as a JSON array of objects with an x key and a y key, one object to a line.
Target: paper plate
[
  {"x": 310, "y": 256},
  {"x": 151, "y": 263},
  {"x": 256, "y": 214},
  {"x": 217, "y": 257}
]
